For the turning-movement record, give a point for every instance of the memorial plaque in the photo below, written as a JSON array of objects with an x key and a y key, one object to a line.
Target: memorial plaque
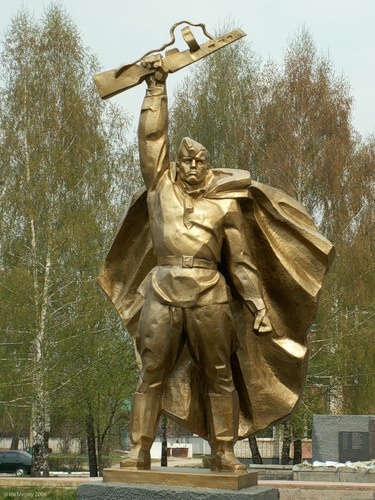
[
  {"x": 343, "y": 437},
  {"x": 353, "y": 446}
]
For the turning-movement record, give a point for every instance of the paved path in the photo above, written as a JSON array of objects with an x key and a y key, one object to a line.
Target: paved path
[{"x": 289, "y": 490}]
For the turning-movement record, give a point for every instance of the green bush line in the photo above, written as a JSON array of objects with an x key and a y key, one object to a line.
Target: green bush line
[{"x": 70, "y": 462}]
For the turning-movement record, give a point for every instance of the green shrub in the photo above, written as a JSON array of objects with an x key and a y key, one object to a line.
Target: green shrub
[
  {"x": 107, "y": 462},
  {"x": 67, "y": 463},
  {"x": 71, "y": 462}
]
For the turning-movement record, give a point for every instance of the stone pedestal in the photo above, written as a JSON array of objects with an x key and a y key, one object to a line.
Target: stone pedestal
[
  {"x": 116, "y": 491},
  {"x": 171, "y": 483}
]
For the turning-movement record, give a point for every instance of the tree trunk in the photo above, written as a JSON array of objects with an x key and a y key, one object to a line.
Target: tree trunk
[
  {"x": 39, "y": 465},
  {"x": 41, "y": 418},
  {"x": 15, "y": 442},
  {"x": 297, "y": 455},
  {"x": 257, "y": 459},
  {"x": 164, "y": 444},
  {"x": 91, "y": 448},
  {"x": 99, "y": 448},
  {"x": 285, "y": 453},
  {"x": 82, "y": 446},
  {"x": 41, "y": 426}
]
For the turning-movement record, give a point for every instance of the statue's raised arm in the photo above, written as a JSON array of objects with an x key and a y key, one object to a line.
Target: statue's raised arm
[{"x": 153, "y": 124}]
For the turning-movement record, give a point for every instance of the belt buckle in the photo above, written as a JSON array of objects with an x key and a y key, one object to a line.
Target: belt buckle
[{"x": 187, "y": 261}]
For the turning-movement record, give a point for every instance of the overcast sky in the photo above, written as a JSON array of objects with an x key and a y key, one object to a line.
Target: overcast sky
[{"x": 119, "y": 31}]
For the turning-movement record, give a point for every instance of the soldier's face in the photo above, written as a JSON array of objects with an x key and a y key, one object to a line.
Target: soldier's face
[{"x": 192, "y": 170}]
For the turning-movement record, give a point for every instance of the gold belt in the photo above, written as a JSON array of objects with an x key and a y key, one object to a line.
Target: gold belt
[{"x": 186, "y": 261}]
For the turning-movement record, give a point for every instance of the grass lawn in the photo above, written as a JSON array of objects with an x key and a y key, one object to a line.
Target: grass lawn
[{"x": 38, "y": 493}]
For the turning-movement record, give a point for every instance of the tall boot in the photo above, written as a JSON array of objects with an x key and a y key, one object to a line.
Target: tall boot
[
  {"x": 223, "y": 424},
  {"x": 146, "y": 409}
]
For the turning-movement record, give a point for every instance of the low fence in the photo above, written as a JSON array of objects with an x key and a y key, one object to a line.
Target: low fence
[
  {"x": 200, "y": 446},
  {"x": 269, "y": 448}
]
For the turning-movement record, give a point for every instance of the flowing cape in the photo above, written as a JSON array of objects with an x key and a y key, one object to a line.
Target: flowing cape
[{"x": 292, "y": 258}]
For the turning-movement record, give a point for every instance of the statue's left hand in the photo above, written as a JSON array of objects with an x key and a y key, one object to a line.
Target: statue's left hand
[{"x": 262, "y": 323}]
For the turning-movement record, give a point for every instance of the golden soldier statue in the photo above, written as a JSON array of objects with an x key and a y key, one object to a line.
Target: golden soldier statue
[{"x": 216, "y": 277}]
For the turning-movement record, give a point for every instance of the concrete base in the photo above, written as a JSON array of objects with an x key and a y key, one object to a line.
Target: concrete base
[
  {"x": 308, "y": 490},
  {"x": 113, "y": 491},
  {"x": 333, "y": 474}
]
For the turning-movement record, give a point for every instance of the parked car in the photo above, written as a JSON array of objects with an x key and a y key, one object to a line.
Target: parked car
[{"x": 18, "y": 462}]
